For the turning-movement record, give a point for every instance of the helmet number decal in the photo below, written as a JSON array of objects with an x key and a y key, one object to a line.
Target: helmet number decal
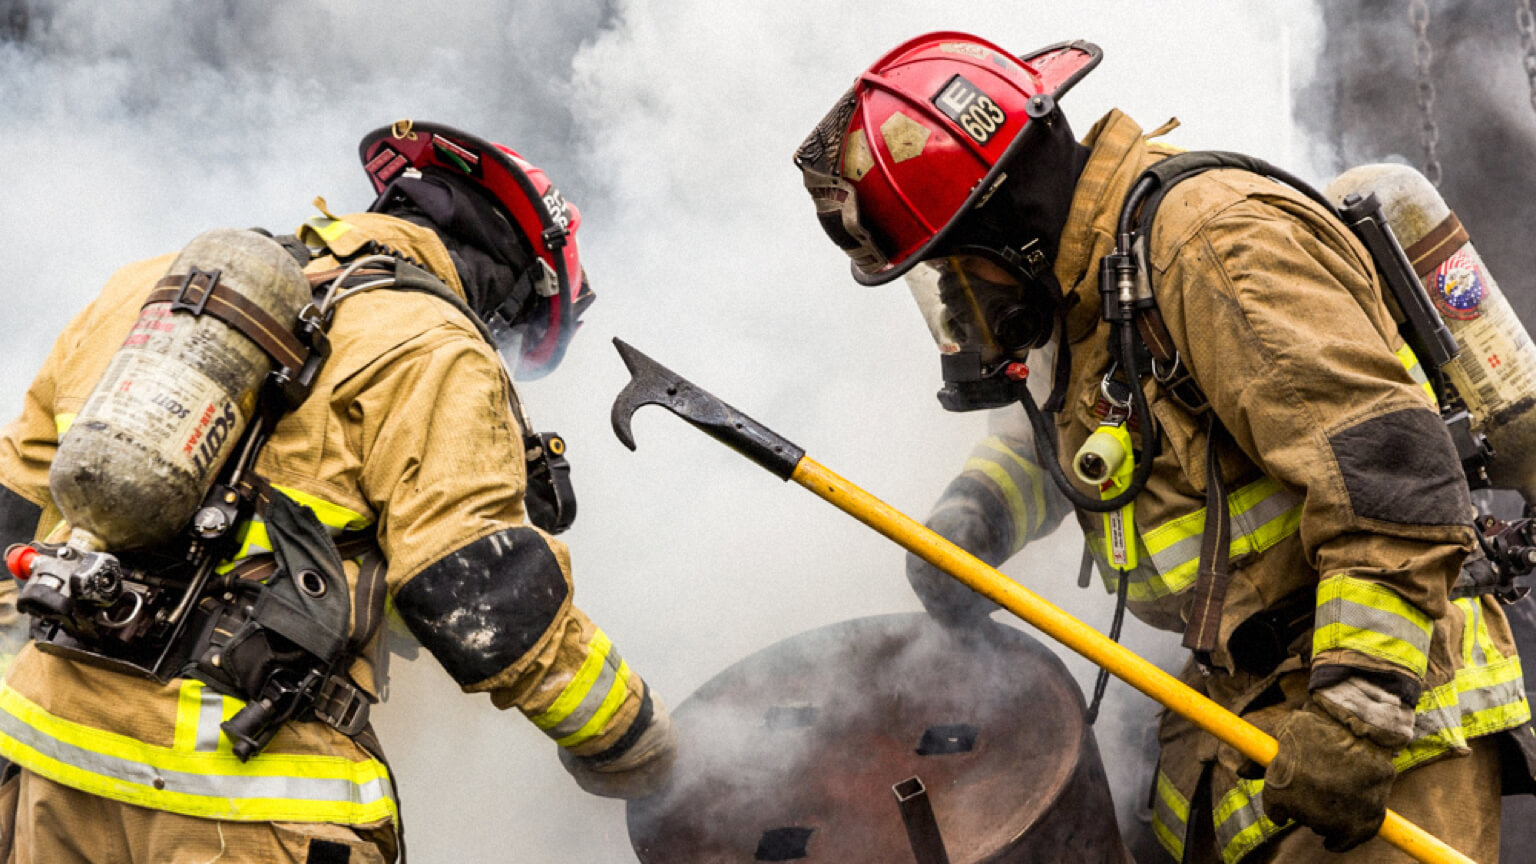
[
  {"x": 555, "y": 204},
  {"x": 971, "y": 109}
]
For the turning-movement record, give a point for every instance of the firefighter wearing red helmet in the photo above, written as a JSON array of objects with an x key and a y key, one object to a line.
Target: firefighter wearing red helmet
[
  {"x": 396, "y": 472},
  {"x": 1239, "y": 349}
]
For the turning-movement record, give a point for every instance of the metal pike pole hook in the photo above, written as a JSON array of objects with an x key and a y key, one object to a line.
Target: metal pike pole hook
[{"x": 654, "y": 384}]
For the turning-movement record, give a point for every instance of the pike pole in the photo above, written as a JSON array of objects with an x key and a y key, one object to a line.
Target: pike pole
[{"x": 654, "y": 384}]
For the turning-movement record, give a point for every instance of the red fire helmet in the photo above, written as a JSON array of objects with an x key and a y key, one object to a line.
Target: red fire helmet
[
  {"x": 924, "y": 135},
  {"x": 541, "y": 214}
]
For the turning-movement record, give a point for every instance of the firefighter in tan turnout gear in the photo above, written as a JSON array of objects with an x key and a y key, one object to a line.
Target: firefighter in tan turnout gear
[
  {"x": 1238, "y": 349},
  {"x": 395, "y": 470}
]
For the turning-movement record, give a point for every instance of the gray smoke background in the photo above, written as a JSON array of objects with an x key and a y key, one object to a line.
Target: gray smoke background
[{"x": 130, "y": 128}]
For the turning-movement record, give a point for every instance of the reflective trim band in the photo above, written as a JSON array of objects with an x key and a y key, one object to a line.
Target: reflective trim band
[
  {"x": 62, "y": 422},
  {"x": 199, "y": 711},
  {"x": 326, "y": 228},
  {"x": 1170, "y": 817},
  {"x": 1032, "y": 477},
  {"x": 1479, "y": 700},
  {"x": 1263, "y": 514},
  {"x": 1240, "y": 821},
  {"x": 999, "y": 477},
  {"x": 1372, "y": 619},
  {"x": 270, "y": 787},
  {"x": 331, "y": 515},
  {"x": 591, "y": 700},
  {"x": 1477, "y": 645},
  {"x": 612, "y": 702},
  {"x": 252, "y": 533},
  {"x": 1410, "y": 362}
]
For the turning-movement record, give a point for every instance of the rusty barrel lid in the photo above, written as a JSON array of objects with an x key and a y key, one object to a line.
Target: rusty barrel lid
[{"x": 793, "y": 752}]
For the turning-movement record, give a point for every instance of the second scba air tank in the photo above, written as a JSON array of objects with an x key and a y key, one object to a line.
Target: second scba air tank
[
  {"x": 1495, "y": 370},
  {"x": 134, "y": 465}
]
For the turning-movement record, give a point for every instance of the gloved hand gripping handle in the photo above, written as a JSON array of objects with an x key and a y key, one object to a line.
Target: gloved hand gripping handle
[{"x": 655, "y": 384}]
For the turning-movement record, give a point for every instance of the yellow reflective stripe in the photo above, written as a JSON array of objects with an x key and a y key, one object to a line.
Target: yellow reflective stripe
[
  {"x": 269, "y": 787},
  {"x": 1410, "y": 362},
  {"x": 330, "y": 514},
  {"x": 1263, "y": 513},
  {"x": 1240, "y": 821},
  {"x": 199, "y": 711},
  {"x": 1472, "y": 612},
  {"x": 1031, "y": 471},
  {"x": 1479, "y": 700},
  {"x": 1382, "y": 646},
  {"x": 189, "y": 707},
  {"x": 62, "y": 422},
  {"x": 1146, "y": 585},
  {"x": 997, "y": 475},
  {"x": 576, "y": 691},
  {"x": 252, "y": 538},
  {"x": 1372, "y": 619},
  {"x": 1170, "y": 817},
  {"x": 1481, "y": 649},
  {"x": 328, "y": 229},
  {"x": 611, "y": 705}
]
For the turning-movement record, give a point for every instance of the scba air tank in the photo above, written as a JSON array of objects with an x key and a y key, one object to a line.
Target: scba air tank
[
  {"x": 1495, "y": 370},
  {"x": 175, "y": 398}
]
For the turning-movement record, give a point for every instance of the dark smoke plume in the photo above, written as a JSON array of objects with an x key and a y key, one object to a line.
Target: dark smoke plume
[{"x": 1364, "y": 106}]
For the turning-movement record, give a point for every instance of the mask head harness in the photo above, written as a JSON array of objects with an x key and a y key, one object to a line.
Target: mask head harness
[{"x": 504, "y": 221}]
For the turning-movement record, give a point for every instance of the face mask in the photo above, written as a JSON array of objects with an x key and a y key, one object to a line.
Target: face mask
[{"x": 983, "y": 321}]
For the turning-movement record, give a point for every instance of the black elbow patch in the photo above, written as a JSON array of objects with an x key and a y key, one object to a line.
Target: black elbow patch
[
  {"x": 485, "y": 605},
  {"x": 1402, "y": 467},
  {"x": 18, "y": 518}
]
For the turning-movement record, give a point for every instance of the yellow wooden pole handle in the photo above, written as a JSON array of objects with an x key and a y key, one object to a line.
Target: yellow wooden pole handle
[{"x": 1120, "y": 661}]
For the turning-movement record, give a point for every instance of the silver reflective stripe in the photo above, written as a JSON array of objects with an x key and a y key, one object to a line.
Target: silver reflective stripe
[
  {"x": 232, "y": 788},
  {"x": 210, "y": 713},
  {"x": 1435, "y": 717},
  {"x": 1272, "y": 507},
  {"x": 1169, "y": 824},
  {"x": 1184, "y": 550},
  {"x": 1474, "y": 629},
  {"x": 1241, "y": 825},
  {"x": 592, "y": 701}
]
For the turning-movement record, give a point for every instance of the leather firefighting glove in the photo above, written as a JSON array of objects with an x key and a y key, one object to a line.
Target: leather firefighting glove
[
  {"x": 1334, "y": 770},
  {"x": 640, "y": 772},
  {"x": 948, "y": 600}
]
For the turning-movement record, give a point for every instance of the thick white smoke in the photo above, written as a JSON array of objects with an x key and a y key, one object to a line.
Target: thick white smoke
[{"x": 131, "y": 127}]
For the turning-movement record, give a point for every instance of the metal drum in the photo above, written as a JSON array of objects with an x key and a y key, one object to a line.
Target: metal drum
[{"x": 885, "y": 739}]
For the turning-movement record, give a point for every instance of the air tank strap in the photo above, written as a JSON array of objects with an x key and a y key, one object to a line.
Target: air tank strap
[
  {"x": 1434, "y": 248},
  {"x": 201, "y": 293}
]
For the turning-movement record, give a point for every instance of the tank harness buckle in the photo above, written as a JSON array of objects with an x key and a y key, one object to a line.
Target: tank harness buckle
[
  {"x": 209, "y": 281},
  {"x": 342, "y": 705}
]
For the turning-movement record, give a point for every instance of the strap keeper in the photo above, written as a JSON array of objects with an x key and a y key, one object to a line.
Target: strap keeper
[
  {"x": 211, "y": 280},
  {"x": 554, "y": 238},
  {"x": 295, "y": 385},
  {"x": 342, "y": 705}
]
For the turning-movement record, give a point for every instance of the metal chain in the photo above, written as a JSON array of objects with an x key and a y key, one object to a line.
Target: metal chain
[
  {"x": 1525, "y": 19},
  {"x": 1424, "y": 55}
]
